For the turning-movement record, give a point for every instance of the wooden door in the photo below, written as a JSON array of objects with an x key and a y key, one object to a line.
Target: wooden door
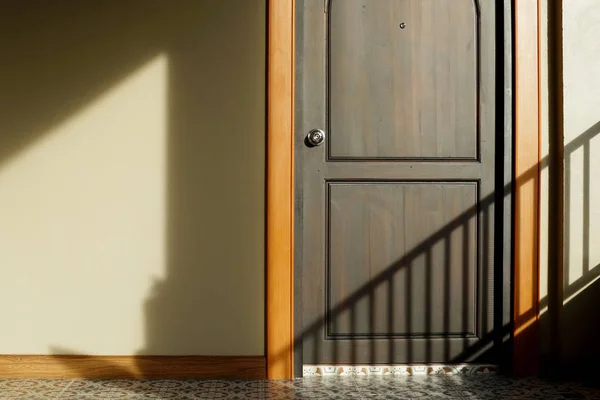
[{"x": 395, "y": 222}]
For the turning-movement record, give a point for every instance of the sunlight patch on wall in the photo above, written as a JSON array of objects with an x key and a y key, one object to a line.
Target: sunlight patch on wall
[
  {"x": 83, "y": 223},
  {"x": 575, "y": 194},
  {"x": 581, "y": 113},
  {"x": 594, "y": 202}
]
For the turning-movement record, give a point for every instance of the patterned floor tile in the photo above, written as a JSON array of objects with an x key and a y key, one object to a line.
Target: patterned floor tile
[{"x": 436, "y": 387}]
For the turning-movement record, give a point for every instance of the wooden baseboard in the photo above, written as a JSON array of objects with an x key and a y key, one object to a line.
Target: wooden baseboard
[{"x": 132, "y": 367}]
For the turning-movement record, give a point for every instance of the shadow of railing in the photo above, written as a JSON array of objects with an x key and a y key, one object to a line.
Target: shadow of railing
[
  {"x": 422, "y": 255},
  {"x": 583, "y": 143},
  {"x": 494, "y": 336}
]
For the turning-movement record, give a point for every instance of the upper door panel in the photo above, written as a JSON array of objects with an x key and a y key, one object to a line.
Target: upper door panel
[{"x": 403, "y": 79}]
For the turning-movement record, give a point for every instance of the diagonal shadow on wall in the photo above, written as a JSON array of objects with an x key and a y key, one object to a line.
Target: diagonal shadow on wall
[
  {"x": 59, "y": 57},
  {"x": 203, "y": 274}
]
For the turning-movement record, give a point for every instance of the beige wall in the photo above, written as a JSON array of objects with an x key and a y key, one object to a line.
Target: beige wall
[
  {"x": 581, "y": 63},
  {"x": 581, "y": 130},
  {"x": 132, "y": 177}
]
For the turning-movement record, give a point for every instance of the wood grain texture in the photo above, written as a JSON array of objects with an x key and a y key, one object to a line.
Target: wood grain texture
[
  {"x": 527, "y": 179},
  {"x": 372, "y": 225},
  {"x": 404, "y": 71},
  {"x": 380, "y": 274},
  {"x": 280, "y": 114},
  {"x": 132, "y": 367}
]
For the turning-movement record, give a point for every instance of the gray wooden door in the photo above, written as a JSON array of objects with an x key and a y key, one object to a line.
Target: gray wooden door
[{"x": 394, "y": 224}]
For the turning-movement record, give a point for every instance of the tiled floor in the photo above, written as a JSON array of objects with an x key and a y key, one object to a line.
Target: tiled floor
[{"x": 357, "y": 387}]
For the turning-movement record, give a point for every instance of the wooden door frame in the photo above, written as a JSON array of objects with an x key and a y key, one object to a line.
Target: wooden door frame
[
  {"x": 527, "y": 177},
  {"x": 280, "y": 187}
]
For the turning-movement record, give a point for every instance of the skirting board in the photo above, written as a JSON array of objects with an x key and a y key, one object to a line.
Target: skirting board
[{"x": 132, "y": 367}]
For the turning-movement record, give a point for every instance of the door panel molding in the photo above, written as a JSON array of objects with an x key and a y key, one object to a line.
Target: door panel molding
[
  {"x": 344, "y": 200},
  {"x": 458, "y": 37}
]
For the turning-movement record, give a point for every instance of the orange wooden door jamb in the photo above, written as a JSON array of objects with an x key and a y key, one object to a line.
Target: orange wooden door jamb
[
  {"x": 526, "y": 189},
  {"x": 280, "y": 185}
]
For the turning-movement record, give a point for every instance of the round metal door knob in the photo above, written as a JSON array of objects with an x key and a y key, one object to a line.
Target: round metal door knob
[{"x": 315, "y": 137}]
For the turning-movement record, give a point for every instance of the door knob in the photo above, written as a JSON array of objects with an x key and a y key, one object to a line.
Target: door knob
[{"x": 315, "y": 137}]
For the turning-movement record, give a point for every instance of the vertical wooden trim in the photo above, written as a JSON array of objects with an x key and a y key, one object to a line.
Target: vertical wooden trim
[
  {"x": 527, "y": 180},
  {"x": 280, "y": 115}
]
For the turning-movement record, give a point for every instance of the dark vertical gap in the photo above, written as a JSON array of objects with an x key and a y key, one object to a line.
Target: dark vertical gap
[
  {"x": 428, "y": 303},
  {"x": 266, "y": 210},
  {"x": 408, "y": 311},
  {"x": 586, "y": 208},
  {"x": 465, "y": 284},
  {"x": 497, "y": 200},
  {"x": 447, "y": 299},
  {"x": 559, "y": 202}
]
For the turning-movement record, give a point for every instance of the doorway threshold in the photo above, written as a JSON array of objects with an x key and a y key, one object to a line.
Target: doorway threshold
[{"x": 398, "y": 369}]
